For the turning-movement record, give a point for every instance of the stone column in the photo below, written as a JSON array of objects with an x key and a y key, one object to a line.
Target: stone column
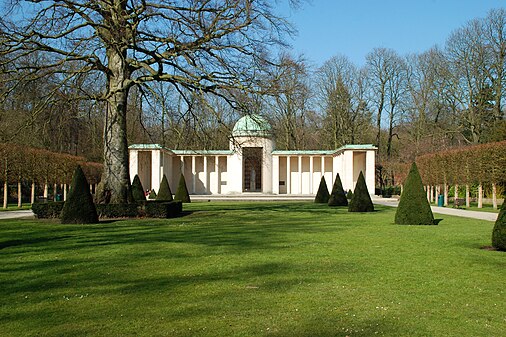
[
  {"x": 275, "y": 174},
  {"x": 217, "y": 170},
  {"x": 206, "y": 181},
  {"x": 300, "y": 173},
  {"x": 194, "y": 173},
  {"x": 311, "y": 164},
  {"x": 480, "y": 195},
  {"x": 288, "y": 176}
]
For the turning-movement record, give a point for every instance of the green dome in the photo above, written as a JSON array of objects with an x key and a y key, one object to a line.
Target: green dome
[{"x": 252, "y": 126}]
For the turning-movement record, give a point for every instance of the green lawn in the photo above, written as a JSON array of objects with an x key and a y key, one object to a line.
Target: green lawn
[{"x": 252, "y": 269}]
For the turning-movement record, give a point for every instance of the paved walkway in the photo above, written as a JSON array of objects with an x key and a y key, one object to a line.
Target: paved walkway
[
  {"x": 445, "y": 210},
  {"x": 16, "y": 214},
  {"x": 265, "y": 197}
]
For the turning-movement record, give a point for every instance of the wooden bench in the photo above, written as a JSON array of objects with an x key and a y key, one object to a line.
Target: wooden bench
[{"x": 459, "y": 202}]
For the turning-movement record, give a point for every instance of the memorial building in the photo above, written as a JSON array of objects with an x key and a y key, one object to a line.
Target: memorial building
[{"x": 252, "y": 165}]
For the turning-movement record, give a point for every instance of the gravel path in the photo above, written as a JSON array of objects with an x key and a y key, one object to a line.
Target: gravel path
[{"x": 446, "y": 210}]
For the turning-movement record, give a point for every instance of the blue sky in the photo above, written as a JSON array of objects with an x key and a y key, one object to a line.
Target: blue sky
[{"x": 354, "y": 27}]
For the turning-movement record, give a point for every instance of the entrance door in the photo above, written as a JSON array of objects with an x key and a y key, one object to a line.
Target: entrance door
[{"x": 252, "y": 169}]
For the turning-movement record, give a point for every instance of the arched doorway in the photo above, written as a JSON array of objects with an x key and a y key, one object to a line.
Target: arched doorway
[{"x": 252, "y": 169}]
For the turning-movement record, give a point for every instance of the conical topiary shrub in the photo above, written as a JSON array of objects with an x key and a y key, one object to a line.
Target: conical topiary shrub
[
  {"x": 349, "y": 195},
  {"x": 361, "y": 200},
  {"x": 338, "y": 196},
  {"x": 322, "y": 196},
  {"x": 414, "y": 208},
  {"x": 79, "y": 207},
  {"x": 182, "y": 191},
  {"x": 164, "y": 193},
  {"x": 138, "y": 190},
  {"x": 499, "y": 231},
  {"x": 152, "y": 195}
]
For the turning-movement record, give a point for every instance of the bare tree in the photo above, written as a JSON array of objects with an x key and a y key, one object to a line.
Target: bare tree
[
  {"x": 341, "y": 90},
  {"x": 195, "y": 45},
  {"x": 289, "y": 101},
  {"x": 377, "y": 64}
]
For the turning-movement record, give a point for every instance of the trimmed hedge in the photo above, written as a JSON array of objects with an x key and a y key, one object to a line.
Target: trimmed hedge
[
  {"x": 166, "y": 209},
  {"x": 361, "y": 200},
  {"x": 338, "y": 196},
  {"x": 322, "y": 196},
  {"x": 152, "y": 195},
  {"x": 414, "y": 208},
  {"x": 113, "y": 211},
  {"x": 349, "y": 195},
  {"x": 164, "y": 193},
  {"x": 48, "y": 210},
  {"x": 499, "y": 231},
  {"x": 138, "y": 189},
  {"x": 182, "y": 191},
  {"x": 79, "y": 207}
]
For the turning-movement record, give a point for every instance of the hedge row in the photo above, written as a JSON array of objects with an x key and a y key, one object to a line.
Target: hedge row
[
  {"x": 37, "y": 165},
  {"x": 151, "y": 209},
  {"x": 484, "y": 163}
]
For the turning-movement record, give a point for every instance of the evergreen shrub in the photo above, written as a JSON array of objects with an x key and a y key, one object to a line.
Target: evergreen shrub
[
  {"x": 349, "y": 195},
  {"x": 79, "y": 206},
  {"x": 152, "y": 195},
  {"x": 48, "y": 210},
  {"x": 322, "y": 196},
  {"x": 499, "y": 231},
  {"x": 165, "y": 209},
  {"x": 338, "y": 196},
  {"x": 138, "y": 190},
  {"x": 361, "y": 200},
  {"x": 182, "y": 191},
  {"x": 112, "y": 211},
  {"x": 164, "y": 193},
  {"x": 414, "y": 208}
]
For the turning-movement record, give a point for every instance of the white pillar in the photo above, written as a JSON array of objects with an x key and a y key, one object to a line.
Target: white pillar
[
  {"x": 206, "y": 181},
  {"x": 194, "y": 173},
  {"x": 275, "y": 174},
  {"x": 33, "y": 193},
  {"x": 311, "y": 175},
  {"x": 322, "y": 168},
  {"x": 300, "y": 174},
  {"x": 218, "y": 177},
  {"x": 64, "y": 192},
  {"x": 6, "y": 194},
  {"x": 480, "y": 195},
  {"x": 288, "y": 176},
  {"x": 20, "y": 194},
  {"x": 156, "y": 179}
]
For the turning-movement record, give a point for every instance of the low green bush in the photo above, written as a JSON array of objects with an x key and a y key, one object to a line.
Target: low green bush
[
  {"x": 138, "y": 190},
  {"x": 499, "y": 231},
  {"x": 182, "y": 191},
  {"x": 79, "y": 207},
  {"x": 349, "y": 195},
  {"x": 361, "y": 200},
  {"x": 112, "y": 211},
  {"x": 152, "y": 195},
  {"x": 48, "y": 210},
  {"x": 413, "y": 208},
  {"x": 165, "y": 209},
  {"x": 164, "y": 193},
  {"x": 323, "y": 195},
  {"x": 338, "y": 196}
]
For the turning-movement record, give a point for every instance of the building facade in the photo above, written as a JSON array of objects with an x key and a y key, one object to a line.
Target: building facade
[{"x": 252, "y": 165}]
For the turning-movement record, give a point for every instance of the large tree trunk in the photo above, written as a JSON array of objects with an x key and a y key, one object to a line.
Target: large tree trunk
[{"x": 115, "y": 184}]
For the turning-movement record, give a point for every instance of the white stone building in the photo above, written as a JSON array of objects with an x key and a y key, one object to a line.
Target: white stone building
[{"x": 252, "y": 165}]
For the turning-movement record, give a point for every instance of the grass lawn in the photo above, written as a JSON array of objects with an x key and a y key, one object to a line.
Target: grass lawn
[{"x": 252, "y": 269}]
